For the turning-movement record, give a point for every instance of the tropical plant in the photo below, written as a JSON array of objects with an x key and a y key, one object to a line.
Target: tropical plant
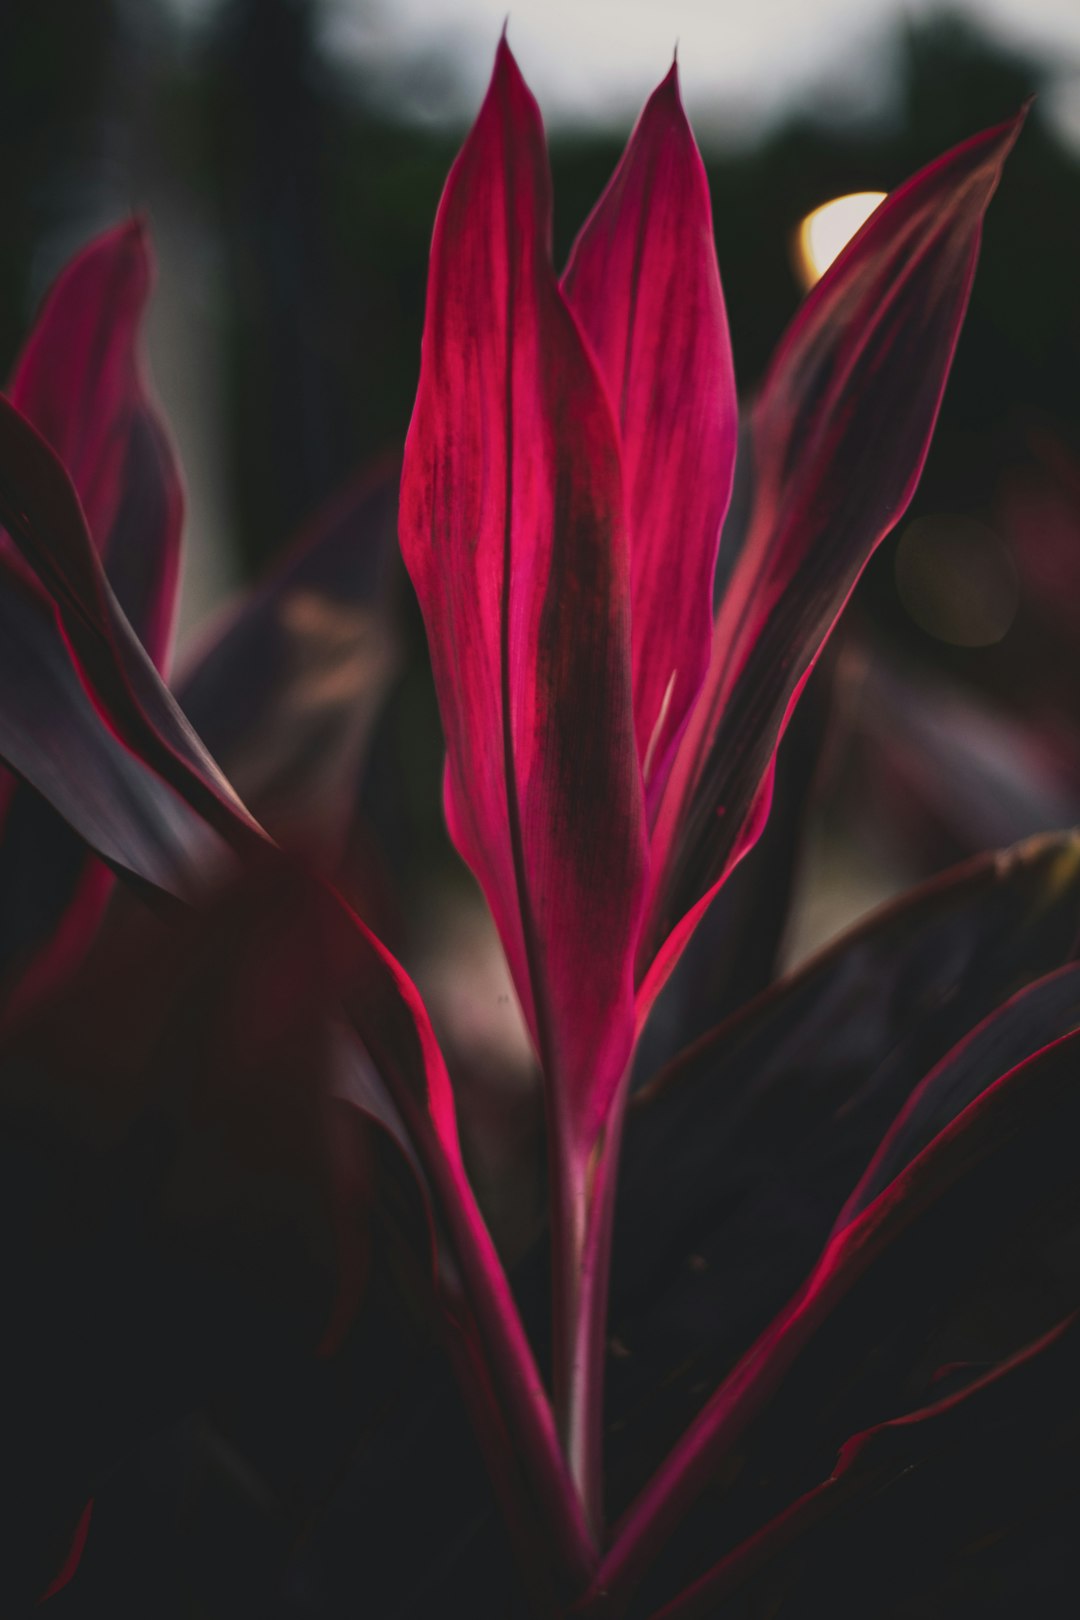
[{"x": 838, "y": 1335}]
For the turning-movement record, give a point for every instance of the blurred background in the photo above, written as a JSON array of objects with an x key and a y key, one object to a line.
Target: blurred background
[{"x": 290, "y": 156}]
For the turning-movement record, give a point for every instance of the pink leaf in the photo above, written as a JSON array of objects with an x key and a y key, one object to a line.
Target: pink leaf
[
  {"x": 512, "y": 529},
  {"x": 643, "y": 280},
  {"x": 79, "y": 380},
  {"x": 841, "y": 432}
]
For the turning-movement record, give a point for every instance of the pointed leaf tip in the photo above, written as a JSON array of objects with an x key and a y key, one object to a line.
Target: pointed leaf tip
[
  {"x": 512, "y": 502},
  {"x": 644, "y": 282},
  {"x": 841, "y": 430}
]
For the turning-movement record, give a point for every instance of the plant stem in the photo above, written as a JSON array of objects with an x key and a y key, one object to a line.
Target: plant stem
[{"x": 583, "y": 1207}]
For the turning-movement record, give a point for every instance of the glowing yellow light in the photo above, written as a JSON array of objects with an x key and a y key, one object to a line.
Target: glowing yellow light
[{"x": 824, "y": 233}]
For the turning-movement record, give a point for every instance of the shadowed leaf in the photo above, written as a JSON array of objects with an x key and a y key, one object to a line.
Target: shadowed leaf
[{"x": 840, "y": 434}]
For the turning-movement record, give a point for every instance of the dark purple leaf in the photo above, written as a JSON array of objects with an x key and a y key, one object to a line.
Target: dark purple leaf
[
  {"x": 54, "y": 738},
  {"x": 996, "y": 1173},
  {"x": 79, "y": 381},
  {"x": 41, "y": 512},
  {"x": 286, "y": 688},
  {"x": 1025, "y": 1389}
]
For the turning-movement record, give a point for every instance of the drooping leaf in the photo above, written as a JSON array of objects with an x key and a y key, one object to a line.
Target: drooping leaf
[
  {"x": 840, "y": 432},
  {"x": 512, "y": 529},
  {"x": 964, "y": 1281},
  {"x": 54, "y": 738},
  {"x": 643, "y": 280},
  {"x": 41, "y": 512},
  {"x": 1024, "y": 1390},
  {"x": 998, "y": 1162},
  {"x": 79, "y": 381},
  {"x": 493, "y": 1356},
  {"x": 739, "y": 1158},
  {"x": 285, "y": 690}
]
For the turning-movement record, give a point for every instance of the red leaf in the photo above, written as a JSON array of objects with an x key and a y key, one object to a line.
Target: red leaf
[
  {"x": 79, "y": 381},
  {"x": 512, "y": 528},
  {"x": 387, "y": 1013},
  {"x": 841, "y": 432},
  {"x": 643, "y": 280}
]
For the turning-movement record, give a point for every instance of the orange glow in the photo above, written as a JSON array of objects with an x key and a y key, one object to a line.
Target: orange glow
[{"x": 825, "y": 232}]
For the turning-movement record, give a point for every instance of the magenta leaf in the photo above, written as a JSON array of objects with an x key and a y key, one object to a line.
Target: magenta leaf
[
  {"x": 79, "y": 380},
  {"x": 493, "y": 1355},
  {"x": 643, "y": 281},
  {"x": 841, "y": 431},
  {"x": 512, "y": 528}
]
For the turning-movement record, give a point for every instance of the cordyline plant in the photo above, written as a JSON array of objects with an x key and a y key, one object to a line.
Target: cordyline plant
[{"x": 844, "y": 1291}]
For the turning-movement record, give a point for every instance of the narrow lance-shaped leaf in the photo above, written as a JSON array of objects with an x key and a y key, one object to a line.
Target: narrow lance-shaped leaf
[
  {"x": 735, "y": 1154},
  {"x": 79, "y": 381},
  {"x": 512, "y": 529},
  {"x": 41, "y": 512},
  {"x": 644, "y": 282},
  {"x": 1031, "y": 1019},
  {"x": 387, "y": 1014},
  {"x": 841, "y": 432},
  {"x": 1024, "y": 1384},
  {"x": 1004, "y": 1114},
  {"x": 849, "y": 1035},
  {"x": 51, "y": 734}
]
